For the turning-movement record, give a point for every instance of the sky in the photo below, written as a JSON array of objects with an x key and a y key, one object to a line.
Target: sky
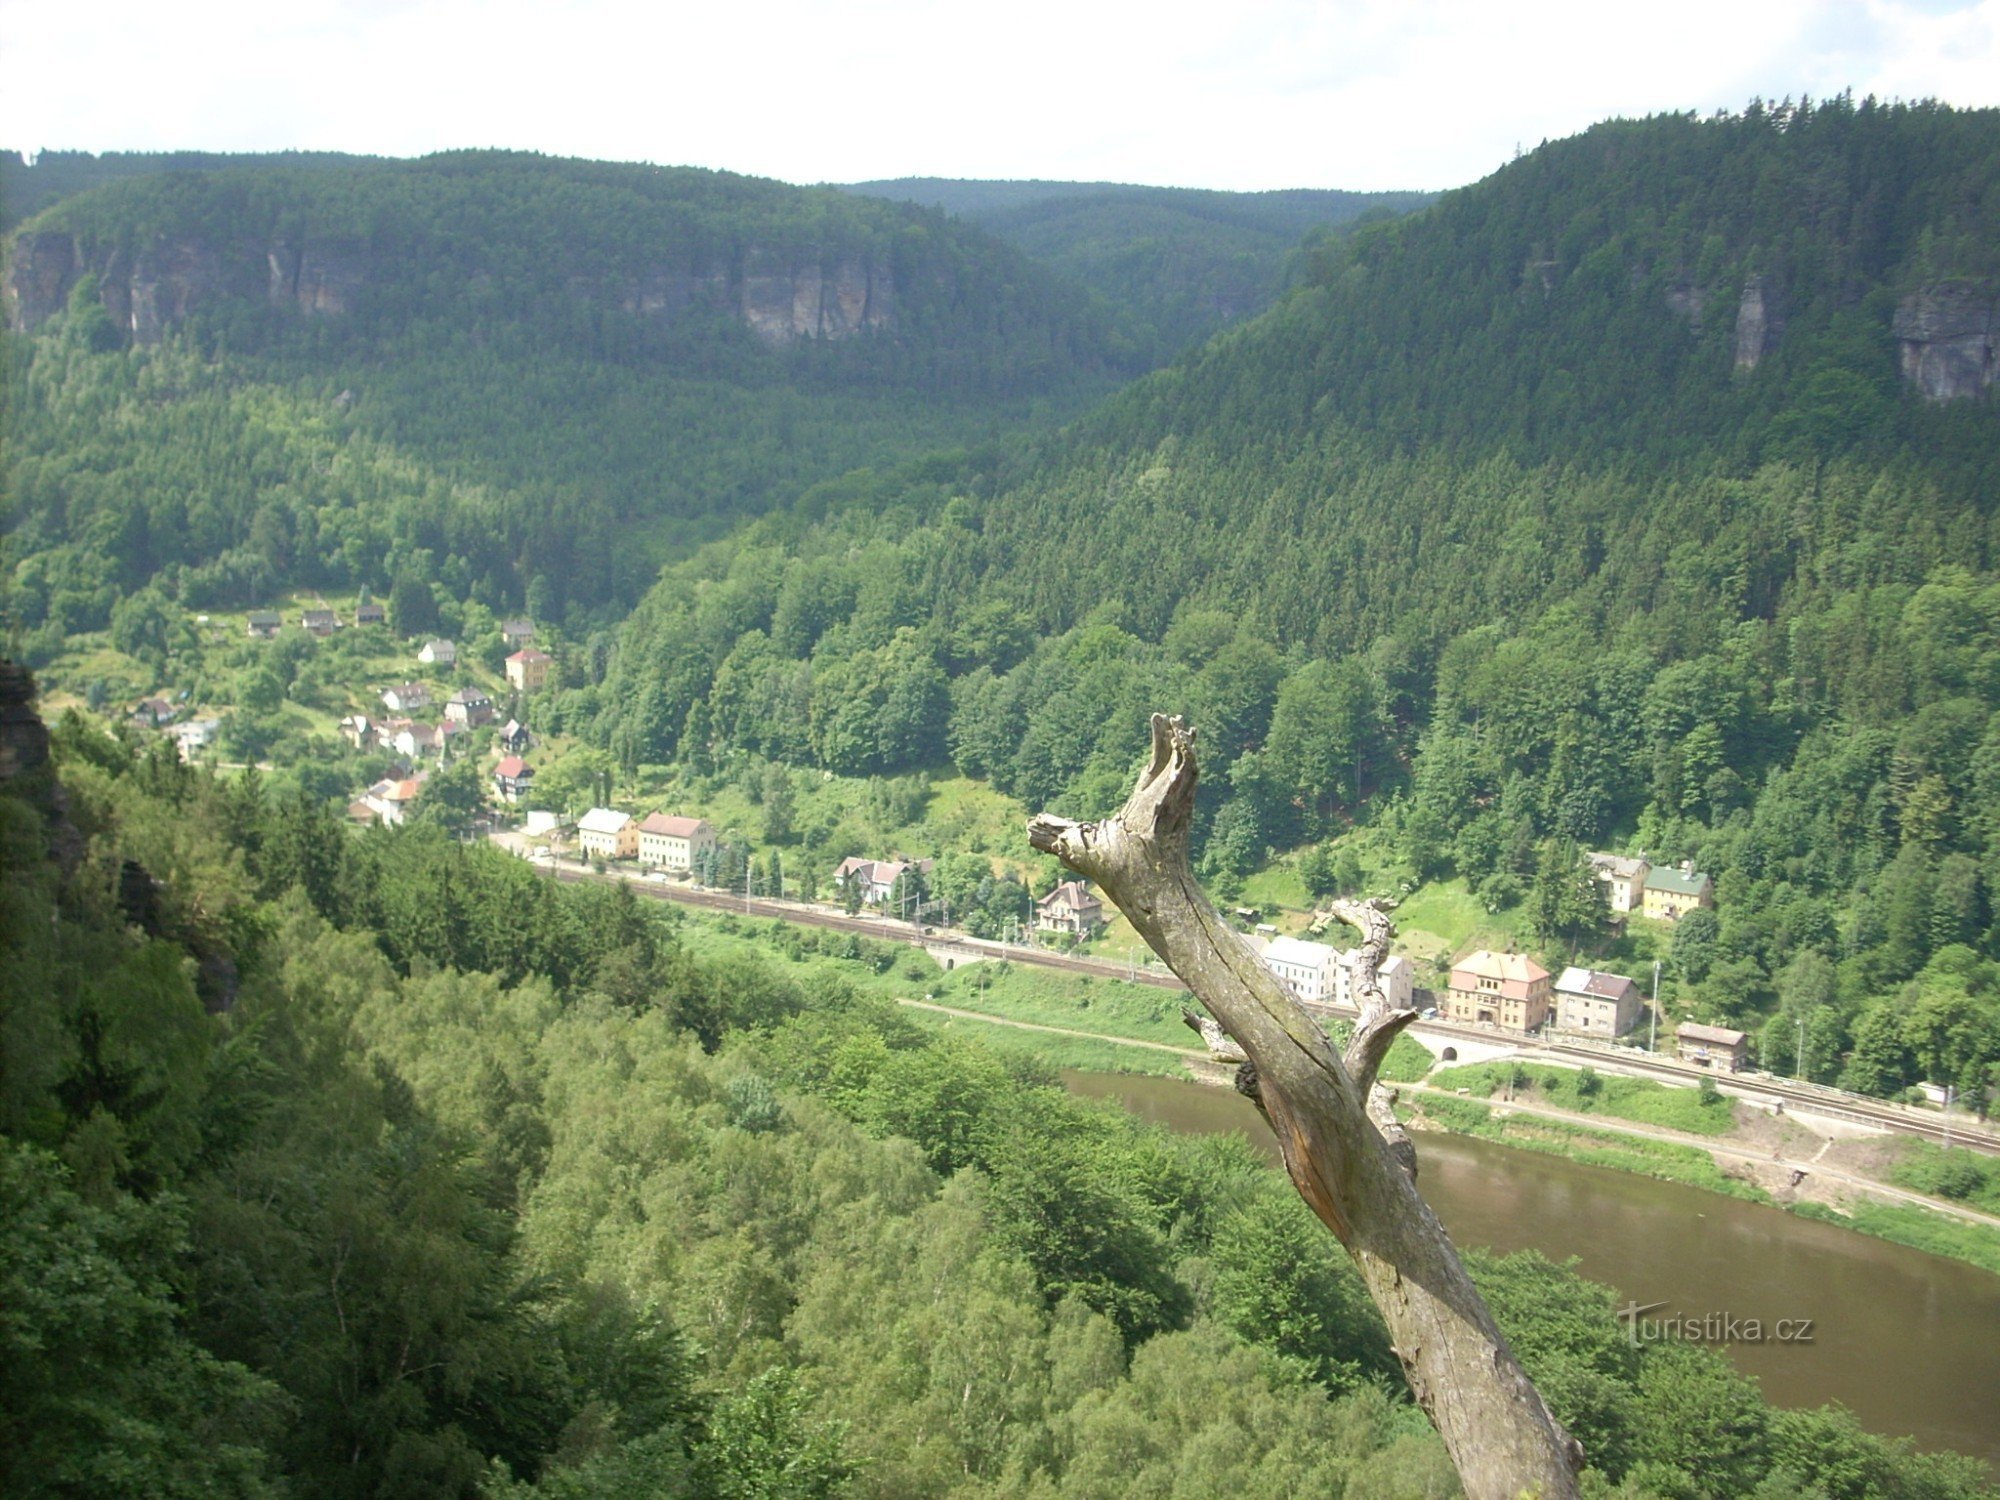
[{"x": 1253, "y": 94}]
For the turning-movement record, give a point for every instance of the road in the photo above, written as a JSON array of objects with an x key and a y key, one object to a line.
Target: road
[{"x": 1607, "y": 1058}]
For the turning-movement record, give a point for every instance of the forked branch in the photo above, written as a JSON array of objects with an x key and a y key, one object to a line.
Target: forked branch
[{"x": 1340, "y": 1143}]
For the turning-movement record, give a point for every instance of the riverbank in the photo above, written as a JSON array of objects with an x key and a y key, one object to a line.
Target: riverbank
[{"x": 1822, "y": 1170}]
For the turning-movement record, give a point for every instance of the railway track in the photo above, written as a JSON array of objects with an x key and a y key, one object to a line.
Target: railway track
[{"x": 1812, "y": 1099}]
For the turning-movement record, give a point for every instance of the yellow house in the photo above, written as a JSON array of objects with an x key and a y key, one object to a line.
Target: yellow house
[
  {"x": 528, "y": 670},
  {"x": 1672, "y": 893},
  {"x": 606, "y": 833}
]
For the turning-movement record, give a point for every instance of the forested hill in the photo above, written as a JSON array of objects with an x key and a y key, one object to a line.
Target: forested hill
[
  {"x": 1180, "y": 262},
  {"x": 1641, "y": 494},
  {"x": 486, "y": 369},
  {"x": 30, "y": 183},
  {"x": 624, "y": 262}
]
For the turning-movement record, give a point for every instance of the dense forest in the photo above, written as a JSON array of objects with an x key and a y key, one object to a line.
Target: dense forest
[
  {"x": 490, "y": 369},
  {"x": 385, "y": 1166},
  {"x": 1512, "y": 534},
  {"x": 1181, "y": 263}
]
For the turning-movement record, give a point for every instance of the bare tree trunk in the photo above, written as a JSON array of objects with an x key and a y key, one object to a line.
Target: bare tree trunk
[{"x": 1342, "y": 1147}]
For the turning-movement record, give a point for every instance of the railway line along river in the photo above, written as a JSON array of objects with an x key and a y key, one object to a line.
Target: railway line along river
[{"x": 1909, "y": 1341}]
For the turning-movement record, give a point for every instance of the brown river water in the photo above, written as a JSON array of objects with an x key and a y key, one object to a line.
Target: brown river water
[{"x": 1909, "y": 1342}]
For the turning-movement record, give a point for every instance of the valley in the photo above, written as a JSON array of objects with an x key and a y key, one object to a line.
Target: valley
[{"x": 521, "y": 969}]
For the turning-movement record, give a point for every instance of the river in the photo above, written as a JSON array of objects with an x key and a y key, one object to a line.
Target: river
[{"x": 1909, "y": 1341}]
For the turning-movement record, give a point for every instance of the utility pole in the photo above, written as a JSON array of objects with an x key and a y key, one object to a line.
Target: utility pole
[
  {"x": 1799, "y": 1057},
  {"x": 1653, "y": 1036},
  {"x": 746, "y": 884},
  {"x": 1948, "y": 1093}
]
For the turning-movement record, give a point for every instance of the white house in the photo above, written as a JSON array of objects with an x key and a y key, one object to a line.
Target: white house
[
  {"x": 1305, "y": 966},
  {"x": 606, "y": 833},
  {"x": 1624, "y": 879},
  {"x": 438, "y": 654},
  {"x": 1069, "y": 908},
  {"x": 674, "y": 843},
  {"x": 876, "y": 878},
  {"x": 1395, "y": 976},
  {"x": 390, "y": 801},
  {"x": 406, "y": 698}
]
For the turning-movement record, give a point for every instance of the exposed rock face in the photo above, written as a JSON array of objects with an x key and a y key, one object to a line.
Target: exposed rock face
[
  {"x": 1687, "y": 301},
  {"x": 39, "y": 276},
  {"x": 1949, "y": 338},
  {"x": 783, "y": 297},
  {"x": 784, "y": 300},
  {"x": 317, "y": 280},
  {"x": 1758, "y": 324}
]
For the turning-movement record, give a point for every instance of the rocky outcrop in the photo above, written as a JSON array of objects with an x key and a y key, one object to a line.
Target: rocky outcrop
[
  {"x": 317, "y": 280},
  {"x": 1948, "y": 336},
  {"x": 40, "y": 272},
  {"x": 784, "y": 300},
  {"x": 1759, "y": 324},
  {"x": 1688, "y": 302},
  {"x": 782, "y": 296}
]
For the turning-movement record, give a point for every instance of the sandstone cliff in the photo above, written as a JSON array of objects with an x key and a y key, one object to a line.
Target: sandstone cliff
[
  {"x": 1949, "y": 338},
  {"x": 781, "y": 296}
]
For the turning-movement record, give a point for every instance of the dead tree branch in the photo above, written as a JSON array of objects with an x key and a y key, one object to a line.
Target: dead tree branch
[{"x": 1337, "y": 1149}]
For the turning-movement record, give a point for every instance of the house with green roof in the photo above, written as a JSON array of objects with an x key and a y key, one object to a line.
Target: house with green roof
[{"x": 1674, "y": 891}]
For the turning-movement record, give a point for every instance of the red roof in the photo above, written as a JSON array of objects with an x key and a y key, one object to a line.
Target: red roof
[
  {"x": 513, "y": 768},
  {"x": 531, "y": 655}
]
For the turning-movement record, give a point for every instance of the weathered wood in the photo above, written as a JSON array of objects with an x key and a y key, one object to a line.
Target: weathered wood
[{"x": 1341, "y": 1146}]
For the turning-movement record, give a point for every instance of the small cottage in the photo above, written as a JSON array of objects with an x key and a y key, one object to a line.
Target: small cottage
[
  {"x": 1070, "y": 908},
  {"x": 1714, "y": 1047},
  {"x": 513, "y": 778},
  {"x": 438, "y": 654}
]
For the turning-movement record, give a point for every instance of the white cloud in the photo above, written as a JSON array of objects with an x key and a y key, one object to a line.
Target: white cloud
[{"x": 1354, "y": 93}]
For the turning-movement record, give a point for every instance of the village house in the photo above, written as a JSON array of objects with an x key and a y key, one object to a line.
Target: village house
[
  {"x": 195, "y": 736},
  {"x": 517, "y": 633},
  {"x": 606, "y": 833},
  {"x": 528, "y": 670},
  {"x": 1305, "y": 967},
  {"x": 513, "y": 778},
  {"x": 876, "y": 878},
  {"x": 390, "y": 801},
  {"x": 674, "y": 843},
  {"x": 370, "y": 614},
  {"x": 1508, "y": 990},
  {"x": 1672, "y": 893},
  {"x": 358, "y": 731},
  {"x": 320, "y": 622},
  {"x": 470, "y": 707},
  {"x": 438, "y": 654},
  {"x": 154, "y": 713},
  {"x": 1590, "y": 1002},
  {"x": 1624, "y": 880},
  {"x": 413, "y": 740},
  {"x": 514, "y": 738},
  {"x": 1714, "y": 1047},
  {"x": 406, "y": 698},
  {"x": 1069, "y": 908},
  {"x": 1395, "y": 976},
  {"x": 265, "y": 623}
]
